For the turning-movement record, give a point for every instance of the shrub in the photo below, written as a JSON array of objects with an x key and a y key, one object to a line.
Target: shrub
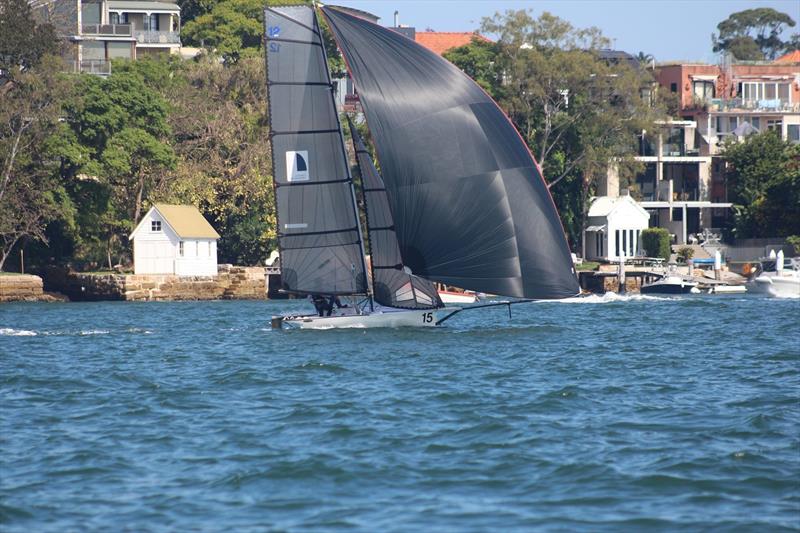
[
  {"x": 685, "y": 253},
  {"x": 655, "y": 242}
]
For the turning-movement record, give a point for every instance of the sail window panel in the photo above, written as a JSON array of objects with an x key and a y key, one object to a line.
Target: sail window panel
[
  {"x": 290, "y": 23},
  {"x": 302, "y": 108},
  {"x": 295, "y": 63},
  {"x": 323, "y": 207},
  {"x": 325, "y": 156},
  {"x": 325, "y": 271}
]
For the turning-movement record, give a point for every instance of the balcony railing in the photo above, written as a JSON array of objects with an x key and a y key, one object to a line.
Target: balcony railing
[
  {"x": 157, "y": 37},
  {"x": 111, "y": 30},
  {"x": 100, "y": 67},
  {"x": 741, "y": 104}
]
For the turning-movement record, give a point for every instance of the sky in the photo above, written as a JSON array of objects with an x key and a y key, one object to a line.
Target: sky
[{"x": 668, "y": 29}]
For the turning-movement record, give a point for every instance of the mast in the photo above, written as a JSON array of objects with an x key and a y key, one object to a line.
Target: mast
[{"x": 319, "y": 232}]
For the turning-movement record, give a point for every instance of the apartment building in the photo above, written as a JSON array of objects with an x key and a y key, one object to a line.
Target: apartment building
[{"x": 98, "y": 31}]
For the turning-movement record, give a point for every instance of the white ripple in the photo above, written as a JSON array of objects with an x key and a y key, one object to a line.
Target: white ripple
[{"x": 11, "y": 332}]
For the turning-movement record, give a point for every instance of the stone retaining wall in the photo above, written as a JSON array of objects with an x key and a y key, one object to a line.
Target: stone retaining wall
[
  {"x": 231, "y": 283},
  {"x": 21, "y": 288}
]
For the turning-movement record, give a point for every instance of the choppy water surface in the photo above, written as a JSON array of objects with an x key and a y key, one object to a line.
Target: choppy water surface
[{"x": 604, "y": 415}]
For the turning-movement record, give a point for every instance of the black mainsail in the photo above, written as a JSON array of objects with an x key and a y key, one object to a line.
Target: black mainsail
[
  {"x": 471, "y": 208},
  {"x": 392, "y": 286},
  {"x": 319, "y": 234}
]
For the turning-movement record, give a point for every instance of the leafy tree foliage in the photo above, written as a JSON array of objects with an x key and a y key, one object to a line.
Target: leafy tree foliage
[
  {"x": 752, "y": 34},
  {"x": 763, "y": 175},
  {"x": 23, "y": 42}
]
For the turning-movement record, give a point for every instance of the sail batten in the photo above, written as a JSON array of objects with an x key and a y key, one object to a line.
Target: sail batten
[
  {"x": 319, "y": 236},
  {"x": 470, "y": 205}
]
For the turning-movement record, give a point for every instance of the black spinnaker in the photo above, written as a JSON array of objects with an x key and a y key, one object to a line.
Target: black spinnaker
[
  {"x": 470, "y": 206},
  {"x": 392, "y": 286},
  {"x": 318, "y": 230}
]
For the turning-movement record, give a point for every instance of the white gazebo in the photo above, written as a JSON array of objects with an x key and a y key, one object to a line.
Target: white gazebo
[
  {"x": 174, "y": 239},
  {"x": 614, "y": 228}
]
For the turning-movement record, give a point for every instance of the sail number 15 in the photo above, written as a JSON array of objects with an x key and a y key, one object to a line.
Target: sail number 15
[{"x": 427, "y": 318}]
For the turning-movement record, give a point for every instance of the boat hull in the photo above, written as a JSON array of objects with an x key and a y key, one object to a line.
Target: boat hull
[
  {"x": 668, "y": 288},
  {"x": 778, "y": 286},
  {"x": 425, "y": 318}
]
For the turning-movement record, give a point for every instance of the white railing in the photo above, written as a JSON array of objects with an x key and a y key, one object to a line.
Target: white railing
[{"x": 100, "y": 67}]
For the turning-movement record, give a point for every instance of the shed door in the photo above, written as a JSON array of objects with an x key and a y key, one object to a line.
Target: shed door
[{"x": 157, "y": 257}]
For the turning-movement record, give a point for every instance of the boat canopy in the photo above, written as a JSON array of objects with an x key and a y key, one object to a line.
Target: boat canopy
[
  {"x": 319, "y": 234},
  {"x": 392, "y": 286},
  {"x": 470, "y": 206}
]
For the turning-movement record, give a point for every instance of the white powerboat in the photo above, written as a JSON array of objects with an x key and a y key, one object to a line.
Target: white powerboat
[
  {"x": 781, "y": 282},
  {"x": 454, "y": 297}
]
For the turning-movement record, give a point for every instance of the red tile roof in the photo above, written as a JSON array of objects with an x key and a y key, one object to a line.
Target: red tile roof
[
  {"x": 791, "y": 57},
  {"x": 442, "y": 41}
]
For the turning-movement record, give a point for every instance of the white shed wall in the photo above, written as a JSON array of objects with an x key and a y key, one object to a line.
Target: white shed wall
[
  {"x": 154, "y": 252},
  {"x": 199, "y": 258}
]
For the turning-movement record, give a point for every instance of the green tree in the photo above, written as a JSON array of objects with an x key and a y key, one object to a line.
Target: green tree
[
  {"x": 763, "y": 174},
  {"x": 23, "y": 42},
  {"x": 752, "y": 34},
  {"x": 30, "y": 193},
  {"x": 220, "y": 126},
  {"x": 478, "y": 60}
]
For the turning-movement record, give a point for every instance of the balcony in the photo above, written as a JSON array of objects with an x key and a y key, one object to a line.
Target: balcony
[
  {"x": 107, "y": 30},
  {"x": 741, "y": 104},
  {"x": 100, "y": 67},
  {"x": 157, "y": 37}
]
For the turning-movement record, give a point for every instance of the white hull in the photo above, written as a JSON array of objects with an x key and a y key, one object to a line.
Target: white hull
[
  {"x": 786, "y": 286},
  {"x": 380, "y": 318},
  {"x": 448, "y": 297}
]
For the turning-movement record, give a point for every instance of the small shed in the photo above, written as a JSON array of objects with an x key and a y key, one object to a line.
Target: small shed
[
  {"x": 614, "y": 228},
  {"x": 174, "y": 239}
]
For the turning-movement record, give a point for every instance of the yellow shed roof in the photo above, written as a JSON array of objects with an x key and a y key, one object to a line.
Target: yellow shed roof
[{"x": 187, "y": 221}]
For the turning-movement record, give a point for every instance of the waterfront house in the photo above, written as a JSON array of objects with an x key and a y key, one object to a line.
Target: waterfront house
[
  {"x": 614, "y": 227},
  {"x": 97, "y": 31},
  {"x": 174, "y": 239}
]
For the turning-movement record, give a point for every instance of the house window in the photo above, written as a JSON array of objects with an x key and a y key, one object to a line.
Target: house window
[
  {"x": 180, "y": 249},
  {"x": 151, "y": 22},
  {"x": 756, "y": 123},
  {"x": 703, "y": 90},
  {"x": 793, "y": 131},
  {"x": 113, "y": 18},
  {"x": 673, "y": 87},
  {"x": 775, "y": 124},
  {"x": 155, "y": 226}
]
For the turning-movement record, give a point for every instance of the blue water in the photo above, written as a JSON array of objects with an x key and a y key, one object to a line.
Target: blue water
[{"x": 610, "y": 414}]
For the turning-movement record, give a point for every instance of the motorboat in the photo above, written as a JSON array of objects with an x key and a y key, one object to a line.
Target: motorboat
[
  {"x": 781, "y": 282},
  {"x": 671, "y": 284}
]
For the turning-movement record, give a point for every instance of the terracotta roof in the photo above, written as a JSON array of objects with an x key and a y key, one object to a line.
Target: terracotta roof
[
  {"x": 187, "y": 221},
  {"x": 442, "y": 41},
  {"x": 791, "y": 57}
]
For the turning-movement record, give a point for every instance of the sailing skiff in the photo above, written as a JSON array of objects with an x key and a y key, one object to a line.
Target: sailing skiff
[{"x": 459, "y": 199}]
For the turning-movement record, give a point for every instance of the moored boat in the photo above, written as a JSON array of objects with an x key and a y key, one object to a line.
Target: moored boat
[
  {"x": 780, "y": 282},
  {"x": 670, "y": 285}
]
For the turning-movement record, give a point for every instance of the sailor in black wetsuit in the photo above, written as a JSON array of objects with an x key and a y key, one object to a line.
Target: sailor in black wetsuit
[{"x": 321, "y": 304}]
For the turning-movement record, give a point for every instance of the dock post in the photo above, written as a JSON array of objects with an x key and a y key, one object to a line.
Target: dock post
[
  {"x": 717, "y": 265},
  {"x": 622, "y": 289}
]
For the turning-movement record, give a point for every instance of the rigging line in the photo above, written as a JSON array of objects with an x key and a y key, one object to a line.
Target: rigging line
[{"x": 481, "y": 306}]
